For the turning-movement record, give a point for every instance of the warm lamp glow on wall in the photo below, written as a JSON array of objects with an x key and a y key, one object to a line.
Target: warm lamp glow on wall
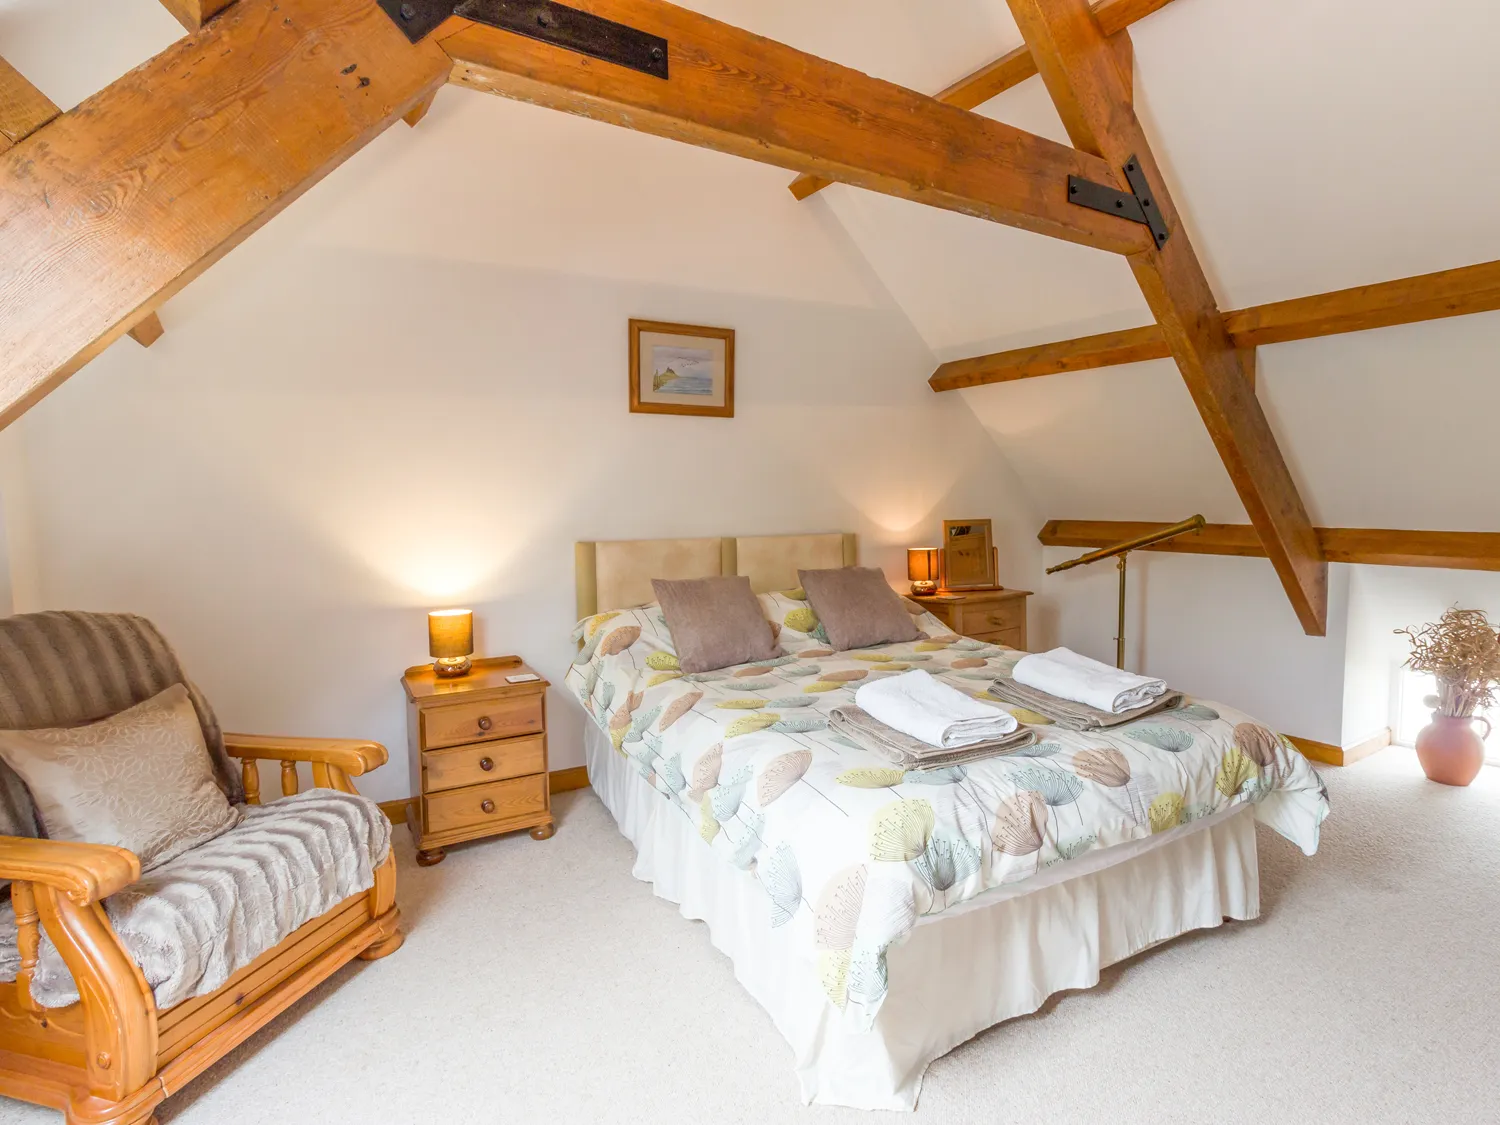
[
  {"x": 450, "y": 640},
  {"x": 922, "y": 568}
]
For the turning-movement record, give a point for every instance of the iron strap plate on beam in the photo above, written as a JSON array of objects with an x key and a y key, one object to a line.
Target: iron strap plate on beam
[
  {"x": 573, "y": 30},
  {"x": 557, "y": 24},
  {"x": 1137, "y": 205},
  {"x": 417, "y": 18}
]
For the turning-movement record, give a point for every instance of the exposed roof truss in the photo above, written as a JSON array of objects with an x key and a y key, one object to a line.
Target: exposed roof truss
[
  {"x": 109, "y": 209},
  {"x": 1011, "y": 69},
  {"x": 1449, "y": 550},
  {"x": 1410, "y": 300}
]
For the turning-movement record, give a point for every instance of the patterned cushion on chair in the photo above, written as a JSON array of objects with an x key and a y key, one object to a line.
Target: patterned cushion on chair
[
  {"x": 63, "y": 669},
  {"x": 141, "y": 780}
]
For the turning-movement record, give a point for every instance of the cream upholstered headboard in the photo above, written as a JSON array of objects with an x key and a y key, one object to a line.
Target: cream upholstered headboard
[{"x": 617, "y": 574}]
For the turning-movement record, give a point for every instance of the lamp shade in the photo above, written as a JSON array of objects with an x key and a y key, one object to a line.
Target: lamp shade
[
  {"x": 450, "y": 633},
  {"x": 922, "y": 564}
]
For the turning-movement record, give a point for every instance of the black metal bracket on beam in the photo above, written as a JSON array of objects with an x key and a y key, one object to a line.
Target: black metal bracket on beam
[
  {"x": 1138, "y": 207},
  {"x": 565, "y": 27}
]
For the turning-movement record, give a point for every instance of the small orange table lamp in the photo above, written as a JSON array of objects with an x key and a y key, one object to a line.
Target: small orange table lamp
[
  {"x": 922, "y": 568},
  {"x": 450, "y": 640}
]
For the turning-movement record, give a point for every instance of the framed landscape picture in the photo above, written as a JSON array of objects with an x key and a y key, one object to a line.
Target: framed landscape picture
[{"x": 681, "y": 369}]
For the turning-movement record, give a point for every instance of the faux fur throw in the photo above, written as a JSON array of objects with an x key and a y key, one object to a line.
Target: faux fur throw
[{"x": 195, "y": 921}]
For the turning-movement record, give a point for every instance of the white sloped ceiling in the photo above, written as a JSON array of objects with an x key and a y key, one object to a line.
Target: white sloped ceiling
[{"x": 1310, "y": 145}]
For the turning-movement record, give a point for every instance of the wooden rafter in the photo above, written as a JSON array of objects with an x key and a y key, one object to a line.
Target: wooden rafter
[
  {"x": 1454, "y": 550},
  {"x": 116, "y": 205},
  {"x": 993, "y": 79},
  {"x": 419, "y": 111},
  {"x": 23, "y": 108},
  {"x": 193, "y": 14},
  {"x": 740, "y": 93},
  {"x": 147, "y": 330},
  {"x": 1082, "y": 74},
  {"x": 1432, "y": 296}
]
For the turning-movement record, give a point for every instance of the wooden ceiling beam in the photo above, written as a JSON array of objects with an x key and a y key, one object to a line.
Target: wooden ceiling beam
[
  {"x": 1451, "y": 550},
  {"x": 147, "y": 330},
  {"x": 193, "y": 14},
  {"x": 119, "y": 203},
  {"x": 1082, "y": 74},
  {"x": 23, "y": 108},
  {"x": 1410, "y": 300},
  {"x": 419, "y": 111},
  {"x": 1214, "y": 539},
  {"x": 993, "y": 79},
  {"x": 739, "y": 93},
  {"x": 1133, "y": 345}
]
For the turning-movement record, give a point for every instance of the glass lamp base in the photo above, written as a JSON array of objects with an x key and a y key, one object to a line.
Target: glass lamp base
[
  {"x": 451, "y": 666},
  {"x": 924, "y": 589}
]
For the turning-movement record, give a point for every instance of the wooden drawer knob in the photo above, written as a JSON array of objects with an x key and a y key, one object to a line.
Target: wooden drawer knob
[
  {"x": 484, "y": 722},
  {"x": 486, "y": 764},
  {"x": 487, "y": 805}
]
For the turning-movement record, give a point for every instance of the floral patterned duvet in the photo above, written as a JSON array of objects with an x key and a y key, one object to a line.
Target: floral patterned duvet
[{"x": 851, "y": 852}]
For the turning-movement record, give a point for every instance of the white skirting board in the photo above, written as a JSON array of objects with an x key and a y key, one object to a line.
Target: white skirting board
[{"x": 998, "y": 957}]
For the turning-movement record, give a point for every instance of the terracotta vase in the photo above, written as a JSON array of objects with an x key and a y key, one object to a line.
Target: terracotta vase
[{"x": 1450, "y": 750}]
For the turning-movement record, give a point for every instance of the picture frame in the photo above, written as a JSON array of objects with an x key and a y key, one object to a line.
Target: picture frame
[
  {"x": 969, "y": 556},
  {"x": 681, "y": 369}
]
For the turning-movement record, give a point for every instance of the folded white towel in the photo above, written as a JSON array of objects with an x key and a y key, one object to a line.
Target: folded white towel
[
  {"x": 917, "y": 705},
  {"x": 1067, "y": 675}
]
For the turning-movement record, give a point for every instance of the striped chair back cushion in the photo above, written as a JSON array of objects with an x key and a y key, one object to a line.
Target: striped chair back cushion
[{"x": 64, "y": 669}]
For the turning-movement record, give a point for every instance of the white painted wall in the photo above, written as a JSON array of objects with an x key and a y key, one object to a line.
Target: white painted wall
[
  {"x": 274, "y": 479},
  {"x": 20, "y": 565},
  {"x": 1222, "y": 628},
  {"x": 386, "y": 402},
  {"x": 1381, "y": 600},
  {"x": 1216, "y": 627}
]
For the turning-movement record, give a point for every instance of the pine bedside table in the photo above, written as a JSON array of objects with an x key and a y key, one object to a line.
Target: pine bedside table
[
  {"x": 997, "y": 616},
  {"x": 478, "y": 748}
]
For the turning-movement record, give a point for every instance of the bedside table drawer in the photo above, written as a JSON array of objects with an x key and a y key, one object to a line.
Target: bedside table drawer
[
  {"x": 992, "y": 618},
  {"x": 480, "y": 805},
  {"x": 471, "y": 722},
  {"x": 1011, "y": 638},
  {"x": 481, "y": 762}
]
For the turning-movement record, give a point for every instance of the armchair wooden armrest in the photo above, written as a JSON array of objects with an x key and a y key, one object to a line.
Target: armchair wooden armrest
[
  {"x": 352, "y": 755},
  {"x": 333, "y": 760},
  {"x": 84, "y": 872},
  {"x": 59, "y": 886}
]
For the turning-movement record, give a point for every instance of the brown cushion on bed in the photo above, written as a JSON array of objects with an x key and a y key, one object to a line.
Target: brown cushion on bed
[
  {"x": 857, "y": 607},
  {"x": 715, "y": 622}
]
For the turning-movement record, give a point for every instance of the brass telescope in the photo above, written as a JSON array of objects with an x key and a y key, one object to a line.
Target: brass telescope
[{"x": 1122, "y": 549}]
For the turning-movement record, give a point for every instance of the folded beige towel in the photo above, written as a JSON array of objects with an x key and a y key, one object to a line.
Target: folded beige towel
[
  {"x": 1071, "y": 715},
  {"x": 921, "y": 706},
  {"x": 1082, "y": 679},
  {"x": 908, "y": 753}
]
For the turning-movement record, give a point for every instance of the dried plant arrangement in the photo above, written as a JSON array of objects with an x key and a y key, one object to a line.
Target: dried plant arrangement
[{"x": 1462, "y": 650}]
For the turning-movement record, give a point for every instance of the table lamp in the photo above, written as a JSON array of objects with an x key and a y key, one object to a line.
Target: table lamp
[
  {"x": 922, "y": 568},
  {"x": 450, "y": 640}
]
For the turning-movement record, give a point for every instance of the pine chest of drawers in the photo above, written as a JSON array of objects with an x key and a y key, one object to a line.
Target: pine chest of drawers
[
  {"x": 478, "y": 748},
  {"x": 997, "y": 616}
]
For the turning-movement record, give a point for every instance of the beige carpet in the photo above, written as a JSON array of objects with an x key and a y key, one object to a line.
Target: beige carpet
[{"x": 541, "y": 983}]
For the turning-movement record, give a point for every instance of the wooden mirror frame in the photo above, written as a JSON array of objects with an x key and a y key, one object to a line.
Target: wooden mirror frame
[{"x": 981, "y": 577}]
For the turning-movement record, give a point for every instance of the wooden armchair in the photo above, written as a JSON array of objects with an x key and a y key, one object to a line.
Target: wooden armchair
[{"x": 112, "y": 1057}]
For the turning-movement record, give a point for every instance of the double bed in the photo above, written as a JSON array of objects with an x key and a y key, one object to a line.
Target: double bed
[{"x": 884, "y": 916}]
